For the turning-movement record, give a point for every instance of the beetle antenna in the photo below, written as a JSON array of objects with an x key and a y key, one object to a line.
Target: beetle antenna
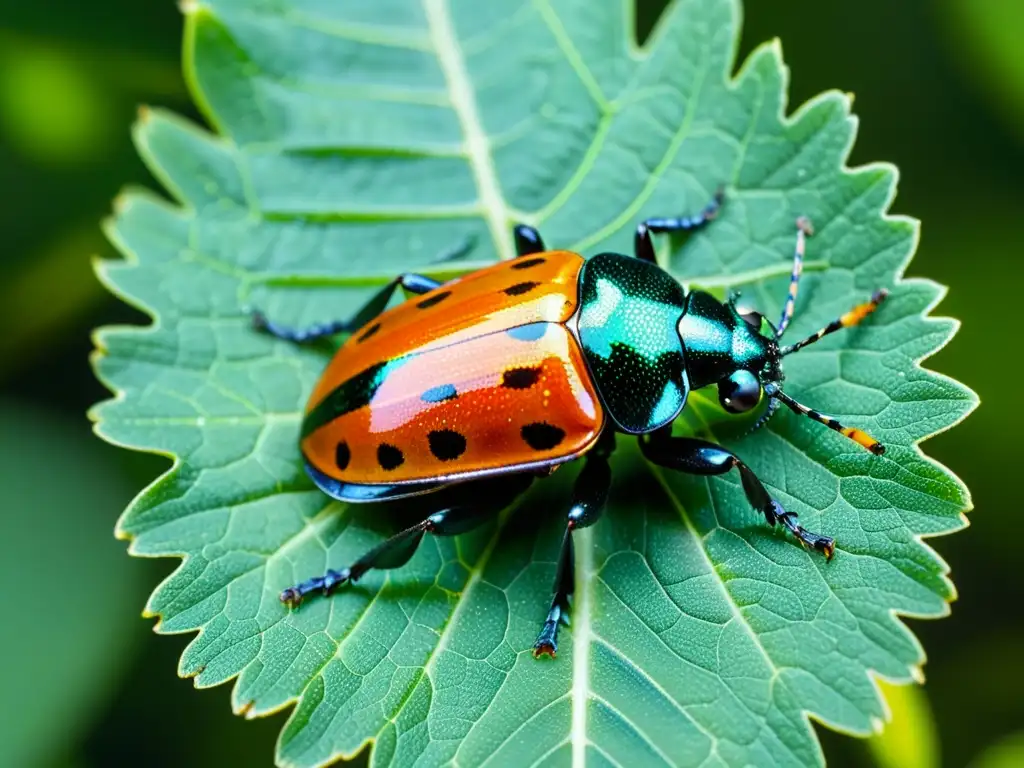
[
  {"x": 803, "y": 231},
  {"x": 852, "y": 317},
  {"x": 858, "y": 436}
]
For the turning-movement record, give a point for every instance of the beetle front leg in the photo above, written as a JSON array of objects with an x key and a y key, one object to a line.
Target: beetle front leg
[
  {"x": 590, "y": 492},
  {"x": 699, "y": 457},
  {"x": 464, "y": 514}
]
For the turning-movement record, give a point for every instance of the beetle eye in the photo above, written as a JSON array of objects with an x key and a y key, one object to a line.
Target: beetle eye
[
  {"x": 740, "y": 392},
  {"x": 751, "y": 317}
]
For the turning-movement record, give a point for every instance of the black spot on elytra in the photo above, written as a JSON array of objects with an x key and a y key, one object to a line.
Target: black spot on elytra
[
  {"x": 527, "y": 263},
  {"x": 342, "y": 455},
  {"x": 368, "y": 333},
  {"x": 389, "y": 457},
  {"x": 542, "y": 436},
  {"x": 520, "y": 378},
  {"x": 440, "y": 394},
  {"x": 530, "y": 332},
  {"x": 437, "y": 298},
  {"x": 520, "y": 288},
  {"x": 446, "y": 444}
]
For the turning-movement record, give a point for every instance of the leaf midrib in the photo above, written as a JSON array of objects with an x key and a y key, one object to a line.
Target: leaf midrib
[
  {"x": 584, "y": 545},
  {"x": 478, "y": 150}
]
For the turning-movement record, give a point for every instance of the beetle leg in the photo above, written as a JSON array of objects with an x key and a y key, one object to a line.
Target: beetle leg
[
  {"x": 699, "y": 457},
  {"x": 589, "y": 494},
  {"x": 409, "y": 281},
  {"x": 463, "y": 514},
  {"x": 528, "y": 240},
  {"x": 643, "y": 246},
  {"x": 457, "y": 252}
]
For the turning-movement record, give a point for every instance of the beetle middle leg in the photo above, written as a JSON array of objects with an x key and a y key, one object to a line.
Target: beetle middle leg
[
  {"x": 590, "y": 492},
  {"x": 408, "y": 281},
  {"x": 468, "y": 506},
  {"x": 699, "y": 457},
  {"x": 643, "y": 246}
]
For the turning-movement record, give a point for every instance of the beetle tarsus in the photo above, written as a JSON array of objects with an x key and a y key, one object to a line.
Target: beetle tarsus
[
  {"x": 824, "y": 544},
  {"x": 547, "y": 640},
  {"x": 326, "y": 584}
]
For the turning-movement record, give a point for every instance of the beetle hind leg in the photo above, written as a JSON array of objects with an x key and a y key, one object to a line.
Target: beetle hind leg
[
  {"x": 463, "y": 512},
  {"x": 590, "y": 492},
  {"x": 699, "y": 457}
]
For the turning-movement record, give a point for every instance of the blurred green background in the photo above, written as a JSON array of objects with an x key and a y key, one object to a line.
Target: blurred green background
[{"x": 939, "y": 88}]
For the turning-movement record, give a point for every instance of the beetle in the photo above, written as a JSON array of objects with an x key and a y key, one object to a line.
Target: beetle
[{"x": 472, "y": 388}]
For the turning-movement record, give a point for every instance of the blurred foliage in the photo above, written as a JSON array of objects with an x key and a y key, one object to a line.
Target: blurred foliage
[
  {"x": 1008, "y": 752},
  {"x": 983, "y": 37},
  {"x": 71, "y": 651},
  {"x": 937, "y": 89},
  {"x": 74, "y": 126},
  {"x": 910, "y": 739}
]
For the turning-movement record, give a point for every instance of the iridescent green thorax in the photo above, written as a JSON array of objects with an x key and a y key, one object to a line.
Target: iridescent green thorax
[
  {"x": 718, "y": 341},
  {"x": 629, "y": 311}
]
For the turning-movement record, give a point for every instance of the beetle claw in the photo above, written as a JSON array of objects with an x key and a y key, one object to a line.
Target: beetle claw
[
  {"x": 258, "y": 319},
  {"x": 544, "y": 649},
  {"x": 547, "y": 640}
]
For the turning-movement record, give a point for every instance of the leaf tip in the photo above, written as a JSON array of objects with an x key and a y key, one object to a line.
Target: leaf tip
[
  {"x": 188, "y": 7},
  {"x": 118, "y": 205},
  {"x": 185, "y": 672}
]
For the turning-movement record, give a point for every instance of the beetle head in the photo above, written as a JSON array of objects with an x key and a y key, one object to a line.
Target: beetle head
[{"x": 758, "y": 371}]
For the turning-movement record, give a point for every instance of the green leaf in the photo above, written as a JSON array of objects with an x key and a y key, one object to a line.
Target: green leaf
[
  {"x": 67, "y": 607},
  {"x": 358, "y": 140}
]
